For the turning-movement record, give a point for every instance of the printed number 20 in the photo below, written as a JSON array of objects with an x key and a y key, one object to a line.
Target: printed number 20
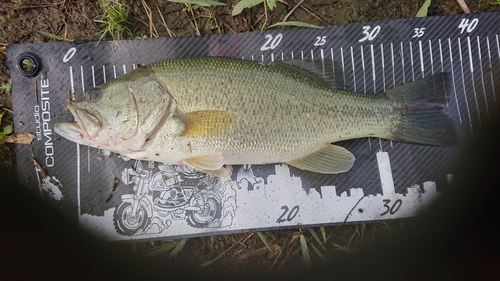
[
  {"x": 291, "y": 215},
  {"x": 271, "y": 42}
]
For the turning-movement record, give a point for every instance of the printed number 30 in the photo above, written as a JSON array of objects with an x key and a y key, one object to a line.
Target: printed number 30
[
  {"x": 393, "y": 208},
  {"x": 370, "y": 35},
  {"x": 291, "y": 215}
]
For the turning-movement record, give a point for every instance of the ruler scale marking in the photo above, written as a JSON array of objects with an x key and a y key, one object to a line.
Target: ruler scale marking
[
  {"x": 463, "y": 86},
  {"x": 421, "y": 58},
  {"x": 473, "y": 81},
  {"x": 482, "y": 78},
  {"x": 353, "y": 69},
  {"x": 411, "y": 62},
  {"x": 491, "y": 72},
  {"x": 403, "y": 63},
  {"x": 431, "y": 56}
]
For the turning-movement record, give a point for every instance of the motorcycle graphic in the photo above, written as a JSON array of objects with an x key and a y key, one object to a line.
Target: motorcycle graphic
[{"x": 171, "y": 193}]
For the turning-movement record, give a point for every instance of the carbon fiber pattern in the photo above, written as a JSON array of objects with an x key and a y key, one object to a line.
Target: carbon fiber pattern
[{"x": 393, "y": 57}]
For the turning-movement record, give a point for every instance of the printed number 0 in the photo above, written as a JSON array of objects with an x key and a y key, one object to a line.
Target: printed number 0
[
  {"x": 392, "y": 209},
  {"x": 271, "y": 42},
  {"x": 69, "y": 54},
  {"x": 370, "y": 35},
  {"x": 291, "y": 215}
]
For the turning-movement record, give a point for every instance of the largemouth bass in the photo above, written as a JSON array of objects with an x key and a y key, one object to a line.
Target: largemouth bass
[{"x": 209, "y": 112}]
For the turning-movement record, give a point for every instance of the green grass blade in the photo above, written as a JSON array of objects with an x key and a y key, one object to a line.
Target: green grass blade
[
  {"x": 344, "y": 249},
  {"x": 422, "y": 12},
  {"x": 50, "y": 35},
  {"x": 162, "y": 249},
  {"x": 316, "y": 237},
  {"x": 363, "y": 228},
  {"x": 320, "y": 255},
  {"x": 238, "y": 8},
  {"x": 264, "y": 241},
  {"x": 305, "y": 251},
  {"x": 133, "y": 247},
  {"x": 204, "y": 3},
  {"x": 178, "y": 248},
  {"x": 296, "y": 23}
]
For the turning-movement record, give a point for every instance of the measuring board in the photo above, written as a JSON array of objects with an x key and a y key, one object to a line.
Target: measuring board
[{"x": 123, "y": 199}]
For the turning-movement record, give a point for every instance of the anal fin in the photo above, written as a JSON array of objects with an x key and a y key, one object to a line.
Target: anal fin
[{"x": 330, "y": 159}]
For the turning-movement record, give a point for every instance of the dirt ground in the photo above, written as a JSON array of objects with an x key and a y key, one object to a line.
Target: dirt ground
[{"x": 21, "y": 21}]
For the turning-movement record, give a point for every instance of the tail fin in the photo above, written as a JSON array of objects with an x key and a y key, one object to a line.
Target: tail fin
[{"x": 419, "y": 108}]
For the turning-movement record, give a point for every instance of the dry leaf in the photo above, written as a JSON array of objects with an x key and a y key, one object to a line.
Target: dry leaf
[{"x": 23, "y": 138}]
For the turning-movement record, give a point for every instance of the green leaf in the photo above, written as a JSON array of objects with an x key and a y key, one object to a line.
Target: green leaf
[
  {"x": 6, "y": 87},
  {"x": 305, "y": 251},
  {"x": 50, "y": 35},
  {"x": 204, "y": 3},
  {"x": 422, "y": 12},
  {"x": 28, "y": 62},
  {"x": 271, "y": 4},
  {"x": 296, "y": 23},
  {"x": 8, "y": 129},
  {"x": 238, "y": 8},
  {"x": 264, "y": 241}
]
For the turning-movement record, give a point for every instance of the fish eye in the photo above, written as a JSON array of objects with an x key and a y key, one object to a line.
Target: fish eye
[{"x": 95, "y": 95}]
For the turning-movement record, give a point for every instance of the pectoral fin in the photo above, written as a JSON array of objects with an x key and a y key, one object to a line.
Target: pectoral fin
[
  {"x": 221, "y": 173},
  {"x": 212, "y": 161},
  {"x": 206, "y": 123},
  {"x": 210, "y": 164},
  {"x": 330, "y": 159}
]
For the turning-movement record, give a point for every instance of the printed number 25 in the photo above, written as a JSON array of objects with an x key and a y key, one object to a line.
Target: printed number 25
[{"x": 320, "y": 41}]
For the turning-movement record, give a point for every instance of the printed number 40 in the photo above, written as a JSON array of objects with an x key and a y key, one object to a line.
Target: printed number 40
[
  {"x": 291, "y": 215},
  {"x": 469, "y": 26}
]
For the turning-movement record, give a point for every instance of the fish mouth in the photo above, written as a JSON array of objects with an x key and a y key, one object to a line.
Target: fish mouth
[{"x": 87, "y": 124}]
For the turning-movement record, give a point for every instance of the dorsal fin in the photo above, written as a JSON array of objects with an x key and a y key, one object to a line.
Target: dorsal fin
[{"x": 324, "y": 72}]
